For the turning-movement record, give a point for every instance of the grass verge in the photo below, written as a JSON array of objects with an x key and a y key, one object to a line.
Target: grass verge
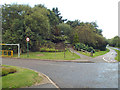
[
  {"x": 7, "y": 70},
  {"x": 118, "y": 55},
  {"x": 50, "y": 55},
  {"x": 22, "y": 78},
  {"x": 95, "y": 54}
]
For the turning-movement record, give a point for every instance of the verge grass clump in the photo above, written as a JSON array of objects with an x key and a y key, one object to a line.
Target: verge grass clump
[
  {"x": 118, "y": 55},
  {"x": 6, "y": 71},
  {"x": 22, "y": 78}
]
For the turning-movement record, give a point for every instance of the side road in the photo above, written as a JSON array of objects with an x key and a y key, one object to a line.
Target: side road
[
  {"x": 83, "y": 57},
  {"x": 108, "y": 57}
]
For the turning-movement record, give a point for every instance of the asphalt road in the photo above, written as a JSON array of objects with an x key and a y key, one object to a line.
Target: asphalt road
[
  {"x": 108, "y": 57},
  {"x": 73, "y": 75}
]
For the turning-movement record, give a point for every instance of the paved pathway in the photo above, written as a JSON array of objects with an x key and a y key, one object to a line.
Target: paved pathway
[
  {"x": 83, "y": 57},
  {"x": 106, "y": 58},
  {"x": 73, "y": 75}
]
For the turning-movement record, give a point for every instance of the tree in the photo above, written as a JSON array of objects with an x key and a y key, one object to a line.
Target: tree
[
  {"x": 21, "y": 21},
  {"x": 13, "y": 23},
  {"x": 65, "y": 28},
  {"x": 75, "y": 38},
  {"x": 115, "y": 42},
  {"x": 73, "y": 23},
  {"x": 44, "y": 26},
  {"x": 87, "y": 36},
  {"x": 57, "y": 13}
]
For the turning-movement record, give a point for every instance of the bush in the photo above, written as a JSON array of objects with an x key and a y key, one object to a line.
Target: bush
[
  {"x": 97, "y": 50},
  {"x": 90, "y": 49},
  {"x": 79, "y": 46},
  {"x": 42, "y": 49},
  {"x": 48, "y": 50},
  {"x": 6, "y": 71}
]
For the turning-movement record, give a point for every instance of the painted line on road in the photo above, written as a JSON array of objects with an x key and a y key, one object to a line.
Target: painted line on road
[
  {"x": 51, "y": 81},
  {"x": 108, "y": 61},
  {"x": 105, "y": 59}
]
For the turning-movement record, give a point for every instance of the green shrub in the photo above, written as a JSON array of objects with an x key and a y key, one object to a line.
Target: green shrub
[
  {"x": 97, "y": 50},
  {"x": 90, "y": 49},
  {"x": 6, "y": 71},
  {"x": 42, "y": 49},
  {"x": 49, "y": 50},
  {"x": 79, "y": 46},
  {"x": 12, "y": 70}
]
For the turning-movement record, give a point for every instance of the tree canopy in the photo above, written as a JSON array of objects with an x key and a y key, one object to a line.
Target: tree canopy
[
  {"x": 87, "y": 33},
  {"x": 45, "y": 27},
  {"x": 115, "y": 42}
]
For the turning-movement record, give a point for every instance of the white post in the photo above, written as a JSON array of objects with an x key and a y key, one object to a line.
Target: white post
[{"x": 18, "y": 50}]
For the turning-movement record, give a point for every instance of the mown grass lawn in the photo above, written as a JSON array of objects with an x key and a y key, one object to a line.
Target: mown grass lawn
[
  {"x": 118, "y": 55},
  {"x": 50, "y": 55},
  {"x": 95, "y": 54},
  {"x": 22, "y": 78}
]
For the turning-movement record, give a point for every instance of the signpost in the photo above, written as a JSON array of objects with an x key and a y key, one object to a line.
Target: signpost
[{"x": 27, "y": 39}]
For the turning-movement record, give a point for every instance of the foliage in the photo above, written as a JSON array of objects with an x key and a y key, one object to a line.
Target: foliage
[
  {"x": 73, "y": 23},
  {"x": 86, "y": 33},
  {"x": 79, "y": 46},
  {"x": 56, "y": 11},
  {"x": 75, "y": 38},
  {"x": 45, "y": 27},
  {"x": 65, "y": 29},
  {"x": 21, "y": 21},
  {"x": 48, "y": 50},
  {"x": 114, "y": 42}
]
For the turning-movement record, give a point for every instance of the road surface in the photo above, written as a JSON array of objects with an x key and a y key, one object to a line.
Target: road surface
[
  {"x": 76, "y": 75},
  {"x": 73, "y": 75},
  {"x": 108, "y": 57}
]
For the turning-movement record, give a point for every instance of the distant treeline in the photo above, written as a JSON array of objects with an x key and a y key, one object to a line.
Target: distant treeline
[
  {"x": 114, "y": 42},
  {"x": 46, "y": 27}
]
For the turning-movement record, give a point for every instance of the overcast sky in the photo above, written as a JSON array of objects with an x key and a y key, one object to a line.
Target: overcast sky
[{"x": 104, "y": 12}]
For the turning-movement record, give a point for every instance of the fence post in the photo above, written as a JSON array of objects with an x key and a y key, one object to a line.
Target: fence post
[
  {"x": 64, "y": 50},
  {"x": 11, "y": 53},
  {"x": 7, "y": 53}
]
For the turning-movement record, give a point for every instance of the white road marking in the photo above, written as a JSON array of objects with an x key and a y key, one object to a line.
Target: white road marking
[{"x": 109, "y": 61}]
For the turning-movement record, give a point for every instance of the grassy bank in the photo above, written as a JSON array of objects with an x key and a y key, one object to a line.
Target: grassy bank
[
  {"x": 118, "y": 55},
  {"x": 98, "y": 53},
  {"x": 22, "y": 78},
  {"x": 50, "y": 55}
]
